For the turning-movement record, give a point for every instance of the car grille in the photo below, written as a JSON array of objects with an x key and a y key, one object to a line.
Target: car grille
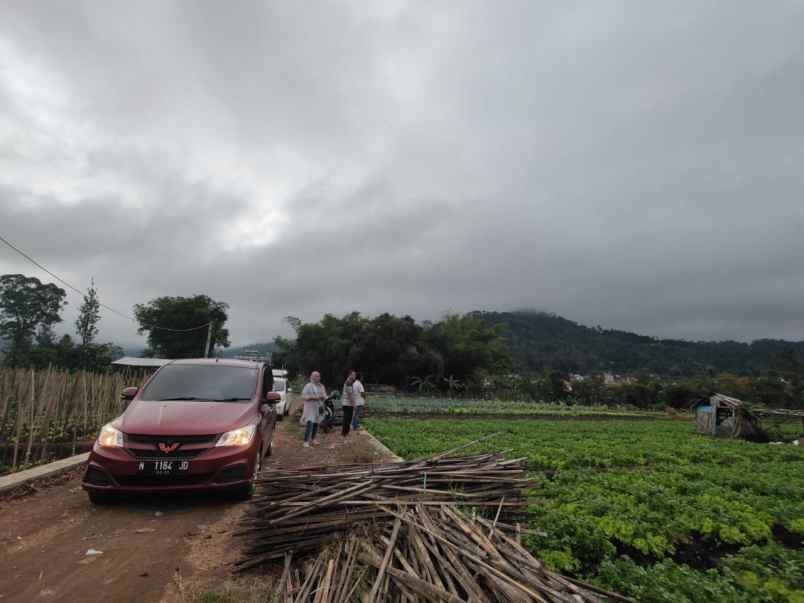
[
  {"x": 150, "y": 439},
  {"x": 145, "y": 447},
  {"x": 162, "y": 480}
]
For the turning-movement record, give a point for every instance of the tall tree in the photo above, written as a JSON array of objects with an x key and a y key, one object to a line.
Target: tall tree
[
  {"x": 27, "y": 304},
  {"x": 469, "y": 345},
  {"x": 166, "y": 319},
  {"x": 86, "y": 325},
  {"x": 294, "y": 322}
]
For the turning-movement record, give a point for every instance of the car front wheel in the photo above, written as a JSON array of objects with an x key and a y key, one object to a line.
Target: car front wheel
[{"x": 245, "y": 491}]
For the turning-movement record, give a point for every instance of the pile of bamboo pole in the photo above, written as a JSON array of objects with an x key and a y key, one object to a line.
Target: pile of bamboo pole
[
  {"x": 438, "y": 555},
  {"x": 439, "y": 529},
  {"x": 302, "y": 509}
]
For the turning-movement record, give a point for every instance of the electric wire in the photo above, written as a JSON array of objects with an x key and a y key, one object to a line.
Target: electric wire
[{"x": 80, "y": 292}]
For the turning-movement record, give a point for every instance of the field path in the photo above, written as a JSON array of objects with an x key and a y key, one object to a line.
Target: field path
[{"x": 154, "y": 548}]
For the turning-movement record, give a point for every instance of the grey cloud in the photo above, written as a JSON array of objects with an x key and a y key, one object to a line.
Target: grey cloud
[{"x": 624, "y": 164}]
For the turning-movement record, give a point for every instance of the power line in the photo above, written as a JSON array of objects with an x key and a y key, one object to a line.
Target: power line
[{"x": 81, "y": 293}]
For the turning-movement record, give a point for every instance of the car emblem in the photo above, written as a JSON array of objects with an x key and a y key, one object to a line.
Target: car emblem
[{"x": 168, "y": 448}]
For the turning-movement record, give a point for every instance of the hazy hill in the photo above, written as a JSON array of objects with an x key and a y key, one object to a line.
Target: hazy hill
[{"x": 540, "y": 340}]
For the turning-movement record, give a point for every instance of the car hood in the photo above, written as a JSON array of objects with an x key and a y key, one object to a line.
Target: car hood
[{"x": 185, "y": 418}]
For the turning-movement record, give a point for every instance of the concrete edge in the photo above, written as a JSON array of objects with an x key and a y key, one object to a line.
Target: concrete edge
[
  {"x": 380, "y": 447},
  {"x": 21, "y": 478}
]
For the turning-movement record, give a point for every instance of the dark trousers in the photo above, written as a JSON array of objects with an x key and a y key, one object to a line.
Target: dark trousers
[
  {"x": 347, "y": 420},
  {"x": 310, "y": 431},
  {"x": 358, "y": 414}
]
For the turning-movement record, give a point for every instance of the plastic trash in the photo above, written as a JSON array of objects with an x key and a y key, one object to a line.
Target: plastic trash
[{"x": 93, "y": 552}]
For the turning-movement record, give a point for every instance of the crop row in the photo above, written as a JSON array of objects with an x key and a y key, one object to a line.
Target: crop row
[{"x": 648, "y": 508}]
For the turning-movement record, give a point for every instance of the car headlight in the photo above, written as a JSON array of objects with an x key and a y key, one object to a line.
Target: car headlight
[
  {"x": 110, "y": 437},
  {"x": 238, "y": 437}
]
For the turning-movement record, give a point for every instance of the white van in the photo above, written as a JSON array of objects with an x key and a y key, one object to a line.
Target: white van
[{"x": 283, "y": 389}]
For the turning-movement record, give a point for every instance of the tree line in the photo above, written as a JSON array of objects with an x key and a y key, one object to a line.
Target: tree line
[
  {"x": 31, "y": 309},
  {"x": 396, "y": 350},
  {"x": 780, "y": 387},
  {"x": 520, "y": 355}
]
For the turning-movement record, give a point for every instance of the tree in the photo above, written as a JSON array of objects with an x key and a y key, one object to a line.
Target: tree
[
  {"x": 166, "y": 319},
  {"x": 468, "y": 345},
  {"x": 86, "y": 325},
  {"x": 423, "y": 385},
  {"x": 453, "y": 384},
  {"x": 293, "y": 322},
  {"x": 27, "y": 304}
]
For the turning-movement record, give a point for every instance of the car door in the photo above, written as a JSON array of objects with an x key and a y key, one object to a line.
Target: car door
[{"x": 268, "y": 419}]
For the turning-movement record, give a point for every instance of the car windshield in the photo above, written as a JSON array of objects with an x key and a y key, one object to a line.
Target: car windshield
[
  {"x": 202, "y": 382},
  {"x": 279, "y": 385}
]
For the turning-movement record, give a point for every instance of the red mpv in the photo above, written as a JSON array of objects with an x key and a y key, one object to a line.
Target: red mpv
[{"x": 203, "y": 424}]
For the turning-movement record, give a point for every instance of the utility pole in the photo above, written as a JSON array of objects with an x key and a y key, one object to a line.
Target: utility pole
[{"x": 209, "y": 339}]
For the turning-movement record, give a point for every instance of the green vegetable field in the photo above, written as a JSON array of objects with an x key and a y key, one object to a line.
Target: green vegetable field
[{"x": 647, "y": 508}]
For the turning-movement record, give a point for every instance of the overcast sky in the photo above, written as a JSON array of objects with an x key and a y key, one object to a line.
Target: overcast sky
[{"x": 637, "y": 165}]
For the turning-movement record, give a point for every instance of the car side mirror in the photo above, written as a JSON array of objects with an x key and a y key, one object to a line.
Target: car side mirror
[{"x": 129, "y": 393}]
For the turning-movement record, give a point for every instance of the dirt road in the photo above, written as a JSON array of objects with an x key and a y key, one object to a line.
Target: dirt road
[{"x": 153, "y": 549}]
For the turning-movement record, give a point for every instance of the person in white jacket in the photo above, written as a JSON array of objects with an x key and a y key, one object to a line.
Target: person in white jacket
[{"x": 313, "y": 394}]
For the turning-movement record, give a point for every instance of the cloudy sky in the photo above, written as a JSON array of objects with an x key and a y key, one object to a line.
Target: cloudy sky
[{"x": 637, "y": 165}]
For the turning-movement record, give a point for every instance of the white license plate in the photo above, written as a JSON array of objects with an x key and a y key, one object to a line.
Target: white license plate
[{"x": 163, "y": 467}]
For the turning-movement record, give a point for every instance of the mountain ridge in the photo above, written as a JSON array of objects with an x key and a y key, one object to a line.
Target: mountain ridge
[{"x": 539, "y": 340}]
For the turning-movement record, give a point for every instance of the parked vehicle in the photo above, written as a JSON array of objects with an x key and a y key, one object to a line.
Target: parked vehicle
[
  {"x": 281, "y": 388},
  {"x": 200, "y": 424},
  {"x": 332, "y": 417}
]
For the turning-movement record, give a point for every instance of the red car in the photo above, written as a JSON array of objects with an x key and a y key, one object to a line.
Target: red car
[{"x": 202, "y": 424}]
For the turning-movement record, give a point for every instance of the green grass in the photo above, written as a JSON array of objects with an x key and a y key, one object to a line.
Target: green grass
[
  {"x": 627, "y": 503},
  {"x": 425, "y": 404}
]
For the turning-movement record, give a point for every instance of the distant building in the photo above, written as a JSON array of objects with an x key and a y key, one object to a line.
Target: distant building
[{"x": 254, "y": 356}]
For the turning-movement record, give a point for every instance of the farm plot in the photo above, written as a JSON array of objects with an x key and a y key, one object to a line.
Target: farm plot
[
  {"x": 459, "y": 406},
  {"x": 648, "y": 508}
]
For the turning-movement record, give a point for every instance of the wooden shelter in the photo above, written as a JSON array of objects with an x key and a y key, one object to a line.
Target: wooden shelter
[{"x": 728, "y": 417}]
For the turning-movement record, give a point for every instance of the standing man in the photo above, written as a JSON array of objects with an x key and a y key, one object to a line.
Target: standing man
[
  {"x": 313, "y": 395},
  {"x": 347, "y": 403},
  {"x": 359, "y": 397}
]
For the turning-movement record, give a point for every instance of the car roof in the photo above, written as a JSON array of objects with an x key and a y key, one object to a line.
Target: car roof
[{"x": 218, "y": 362}]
